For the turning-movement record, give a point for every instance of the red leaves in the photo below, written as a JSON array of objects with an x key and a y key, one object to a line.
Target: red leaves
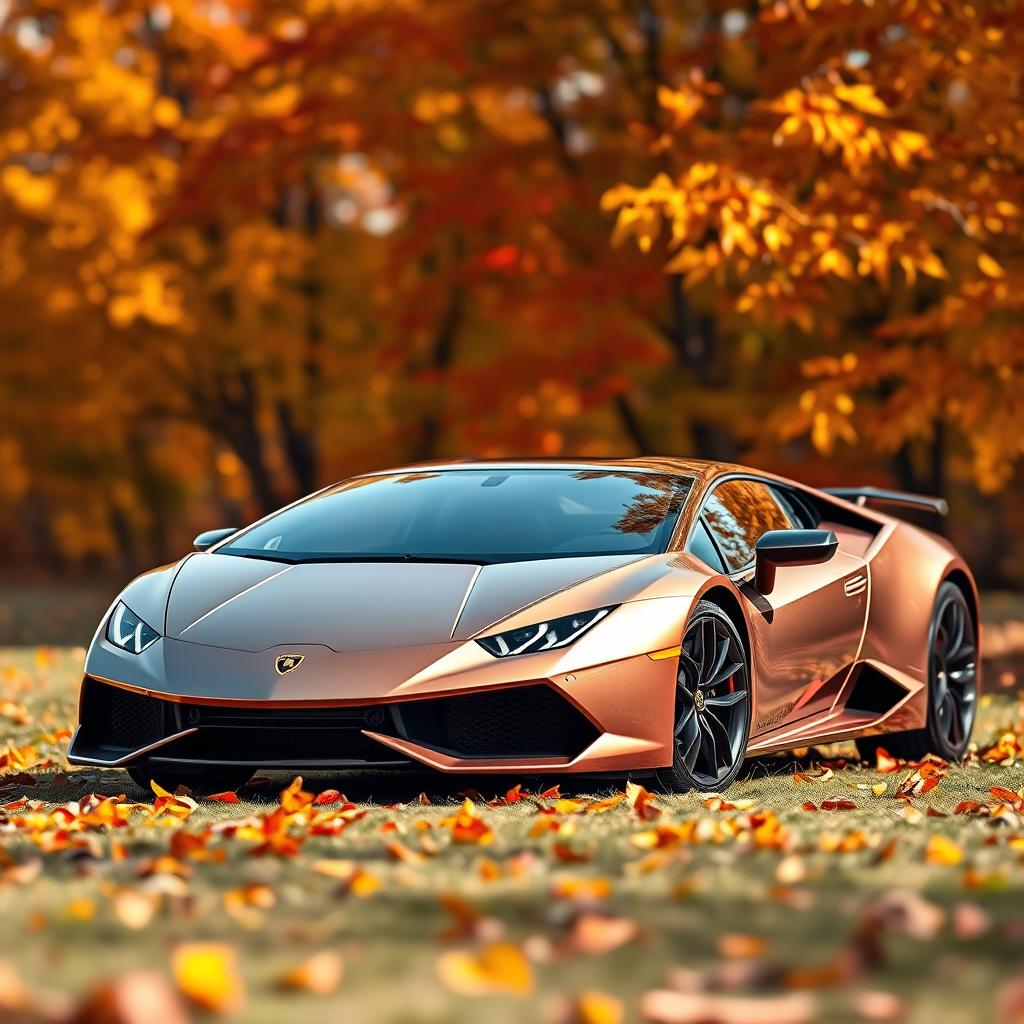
[
  {"x": 226, "y": 797},
  {"x": 467, "y": 826},
  {"x": 885, "y": 762},
  {"x": 329, "y": 796},
  {"x": 838, "y": 804},
  {"x": 923, "y": 779},
  {"x": 642, "y": 802}
]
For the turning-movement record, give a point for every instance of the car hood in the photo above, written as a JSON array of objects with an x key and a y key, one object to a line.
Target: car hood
[{"x": 252, "y": 604}]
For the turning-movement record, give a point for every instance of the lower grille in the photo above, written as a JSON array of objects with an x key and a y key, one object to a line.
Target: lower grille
[
  {"x": 272, "y": 742},
  {"x": 517, "y": 722},
  {"x": 521, "y": 721}
]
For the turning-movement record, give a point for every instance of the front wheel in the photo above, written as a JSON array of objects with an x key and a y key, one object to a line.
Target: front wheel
[
  {"x": 198, "y": 780},
  {"x": 952, "y": 687},
  {"x": 712, "y": 710}
]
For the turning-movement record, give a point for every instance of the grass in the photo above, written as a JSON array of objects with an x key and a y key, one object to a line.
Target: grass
[{"x": 839, "y": 907}]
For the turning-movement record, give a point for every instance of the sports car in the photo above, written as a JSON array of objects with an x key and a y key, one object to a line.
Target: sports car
[{"x": 645, "y": 617}]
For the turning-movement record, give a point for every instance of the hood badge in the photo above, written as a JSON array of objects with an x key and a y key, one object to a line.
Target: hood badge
[{"x": 286, "y": 663}]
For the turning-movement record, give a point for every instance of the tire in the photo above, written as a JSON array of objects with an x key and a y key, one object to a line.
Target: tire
[
  {"x": 199, "y": 780},
  {"x": 952, "y": 687},
  {"x": 713, "y": 705}
]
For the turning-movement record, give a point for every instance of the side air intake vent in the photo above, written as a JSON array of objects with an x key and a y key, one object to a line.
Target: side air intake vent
[{"x": 873, "y": 692}]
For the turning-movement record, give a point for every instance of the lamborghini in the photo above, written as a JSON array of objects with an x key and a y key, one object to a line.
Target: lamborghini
[{"x": 654, "y": 617}]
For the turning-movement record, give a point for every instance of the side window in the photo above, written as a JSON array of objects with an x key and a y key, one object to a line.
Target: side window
[
  {"x": 800, "y": 511},
  {"x": 738, "y": 512},
  {"x": 704, "y": 548}
]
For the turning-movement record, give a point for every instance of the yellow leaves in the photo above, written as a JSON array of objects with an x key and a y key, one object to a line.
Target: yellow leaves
[
  {"x": 497, "y": 968},
  {"x": 146, "y": 294},
  {"x": 642, "y": 802},
  {"x": 430, "y": 105},
  {"x": 835, "y": 261},
  {"x": 278, "y": 102},
  {"x": 179, "y": 807},
  {"x": 683, "y": 104},
  {"x": 863, "y": 98},
  {"x": 941, "y": 850},
  {"x": 594, "y": 1007},
  {"x": 467, "y": 826},
  {"x": 295, "y": 798},
  {"x": 34, "y": 193},
  {"x": 18, "y": 759},
  {"x": 989, "y": 267},
  {"x": 206, "y": 973}
]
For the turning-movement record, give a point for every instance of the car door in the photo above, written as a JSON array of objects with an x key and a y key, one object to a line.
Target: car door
[{"x": 807, "y": 633}]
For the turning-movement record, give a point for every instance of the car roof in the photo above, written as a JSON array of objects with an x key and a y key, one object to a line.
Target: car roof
[{"x": 699, "y": 469}]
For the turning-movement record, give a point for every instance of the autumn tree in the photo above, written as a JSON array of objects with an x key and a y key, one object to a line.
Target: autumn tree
[{"x": 852, "y": 189}]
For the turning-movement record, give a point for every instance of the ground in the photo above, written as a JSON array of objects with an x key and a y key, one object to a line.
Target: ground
[{"x": 592, "y": 906}]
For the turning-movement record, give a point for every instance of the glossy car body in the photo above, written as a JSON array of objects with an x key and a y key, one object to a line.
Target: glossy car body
[{"x": 391, "y": 674}]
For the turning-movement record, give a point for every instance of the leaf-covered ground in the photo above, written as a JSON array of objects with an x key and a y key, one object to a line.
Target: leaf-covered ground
[{"x": 392, "y": 898}]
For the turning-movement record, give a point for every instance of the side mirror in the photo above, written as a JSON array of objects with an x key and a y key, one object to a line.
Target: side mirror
[
  {"x": 790, "y": 547},
  {"x": 206, "y": 540}
]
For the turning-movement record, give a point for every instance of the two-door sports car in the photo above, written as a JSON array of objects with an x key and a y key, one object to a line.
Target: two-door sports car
[{"x": 650, "y": 616}]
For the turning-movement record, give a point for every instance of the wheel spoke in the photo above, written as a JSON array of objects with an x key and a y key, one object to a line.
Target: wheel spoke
[
  {"x": 728, "y": 667},
  {"x": 683, "y": 728},
  {"x": 718, "y": 663},
  {"x": 689, "y": 753},
  {"x": 708, "y": 747},
  {"x": 956, "y": 725},
  {"x": 945, "y": 709},
  {"x": 708, "y": 647},
  {"x": 689, "y": 665},
  {"x": 722, "y": 738},
  {"x": 727, "y": 700}
]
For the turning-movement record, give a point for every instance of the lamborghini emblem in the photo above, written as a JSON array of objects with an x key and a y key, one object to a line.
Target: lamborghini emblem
[{"x": 288, "y": 662}]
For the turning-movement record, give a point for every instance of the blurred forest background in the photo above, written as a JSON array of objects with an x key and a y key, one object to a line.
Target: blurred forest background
[{"x": 247, "y": 248}]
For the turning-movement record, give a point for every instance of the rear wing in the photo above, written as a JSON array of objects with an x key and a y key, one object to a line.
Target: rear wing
[{"x": 880, "y": 496}]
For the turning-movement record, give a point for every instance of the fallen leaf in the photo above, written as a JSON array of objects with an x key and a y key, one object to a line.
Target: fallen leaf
[
  {"x": 593, "y": 1007},
  {"x": 642, "y": 802},
  {"x": 227, "y": 797},
  {"x": 596, "y": 934},
  {"x": 735, "y": 946},
  {"x": 320, "y": 974},
  {"x": 667, "y": 1007},
  {"x": 137, "y": 997},
  {"x": 497, "y": 967},
  {"x": 941, "y": 850},
  {"x": 206, "y": 973}
]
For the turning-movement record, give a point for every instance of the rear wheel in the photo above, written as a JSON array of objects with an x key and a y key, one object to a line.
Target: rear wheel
[
  {"x": 199, "y": 780},
  {"x": 952, "y": 686},
  {"x": 712, "y": 712}
]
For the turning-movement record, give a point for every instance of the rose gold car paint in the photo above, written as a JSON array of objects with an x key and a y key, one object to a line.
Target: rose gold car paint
[{"x": 383, "y": 632}]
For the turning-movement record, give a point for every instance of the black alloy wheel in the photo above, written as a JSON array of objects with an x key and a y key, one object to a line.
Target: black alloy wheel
[
  {"x": 952, "y": 686},
  {"x": 712, "y": 710}
]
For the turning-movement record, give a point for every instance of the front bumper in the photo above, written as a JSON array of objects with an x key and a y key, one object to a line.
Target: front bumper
[
  {"x": 531, "y": 722},
  {"x": 600, "y": 705}
]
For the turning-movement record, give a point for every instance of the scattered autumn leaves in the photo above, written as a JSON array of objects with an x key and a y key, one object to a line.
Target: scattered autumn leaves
[{"x": 583, "y": 867}]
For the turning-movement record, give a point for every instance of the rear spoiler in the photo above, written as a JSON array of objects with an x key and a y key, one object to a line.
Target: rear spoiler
[{"x": 880, "y": 496}]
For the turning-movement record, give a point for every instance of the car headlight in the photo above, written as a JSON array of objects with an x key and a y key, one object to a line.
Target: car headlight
[
  {"x": 544, "y": 636},
  {"x": 127, "y": 631}
]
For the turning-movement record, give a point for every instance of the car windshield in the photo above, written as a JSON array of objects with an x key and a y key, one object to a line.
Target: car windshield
[{"x": 474, "y": 515}]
